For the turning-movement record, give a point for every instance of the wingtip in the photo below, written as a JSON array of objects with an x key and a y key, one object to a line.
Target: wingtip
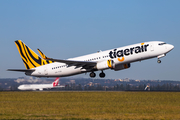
[{"x": 42, "y": 54}]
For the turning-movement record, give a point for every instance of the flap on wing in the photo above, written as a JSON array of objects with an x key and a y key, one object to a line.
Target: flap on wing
[
  {"x": 69, "y": 62},
  {"x": 20, "y": 70}
]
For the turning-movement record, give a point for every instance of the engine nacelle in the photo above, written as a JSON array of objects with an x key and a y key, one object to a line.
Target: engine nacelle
[
  {"x": 105, "y": 65},
  {"x": 122, "y": 66},
  {"x": 110, "y": 64}
]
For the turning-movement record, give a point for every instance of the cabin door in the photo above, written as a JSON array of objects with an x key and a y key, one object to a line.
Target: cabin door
[{"x": 152, "y": 47}]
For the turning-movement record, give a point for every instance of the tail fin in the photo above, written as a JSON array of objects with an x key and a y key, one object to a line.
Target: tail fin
[
  {"x": 55, "y": 83},
  {"x": 29, "y": 57}
]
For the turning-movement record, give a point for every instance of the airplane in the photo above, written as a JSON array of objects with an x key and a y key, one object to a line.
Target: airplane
[
  {"x": 114, "y": 59},
  {"x": 40, "y": 86},
  {"x": 147, "y": 87}
]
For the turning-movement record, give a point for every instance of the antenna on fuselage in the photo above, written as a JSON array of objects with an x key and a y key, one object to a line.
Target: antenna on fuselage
[{"x": 99, "y": 51}]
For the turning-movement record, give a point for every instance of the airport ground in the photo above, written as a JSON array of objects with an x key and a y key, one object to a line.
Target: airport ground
[{"x": 89, "y": 105}]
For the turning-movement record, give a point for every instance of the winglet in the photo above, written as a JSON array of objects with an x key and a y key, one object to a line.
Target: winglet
[{"x": 42, "y": 54}]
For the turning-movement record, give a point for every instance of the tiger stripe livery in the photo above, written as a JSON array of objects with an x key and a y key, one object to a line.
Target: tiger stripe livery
[{"x": 29, "y": 57}]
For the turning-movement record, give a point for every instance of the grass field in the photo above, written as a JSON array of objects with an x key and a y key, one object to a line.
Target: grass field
[{"x": 89, "y": 105}]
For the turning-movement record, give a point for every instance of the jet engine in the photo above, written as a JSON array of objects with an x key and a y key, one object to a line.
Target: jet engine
[
  {"x": 110, "y": 64},
  {"x": 122, "y": 66},
  {"x": 105, "y": 65}
]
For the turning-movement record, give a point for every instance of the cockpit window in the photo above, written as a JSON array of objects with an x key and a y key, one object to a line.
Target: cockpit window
[{"x": 162, "y": 43}]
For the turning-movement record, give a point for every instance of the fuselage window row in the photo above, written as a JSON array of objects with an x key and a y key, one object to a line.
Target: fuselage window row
[
  {"x": 59, "y": 67},
  {"x": 93, "y": 59}
]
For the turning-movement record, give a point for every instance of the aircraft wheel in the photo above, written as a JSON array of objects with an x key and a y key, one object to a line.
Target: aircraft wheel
[
  {"x": 92, "y": 74},
  {"x": 159, "y": 61},
  {"x": 102, "y": 75}
]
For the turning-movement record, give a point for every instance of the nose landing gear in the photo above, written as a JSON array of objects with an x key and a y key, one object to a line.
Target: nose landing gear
[
  {"x": 159, "y": 61},
  {"x": 160, "y": 56}
]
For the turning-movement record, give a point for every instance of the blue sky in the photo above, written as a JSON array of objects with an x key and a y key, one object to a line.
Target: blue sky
[{"x": 69, "y": 28}]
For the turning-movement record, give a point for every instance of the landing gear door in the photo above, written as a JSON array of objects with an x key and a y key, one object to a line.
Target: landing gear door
[{"x": 152, "y": 47}]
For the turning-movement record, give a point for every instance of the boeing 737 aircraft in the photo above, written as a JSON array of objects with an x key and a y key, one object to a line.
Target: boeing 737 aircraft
[
  {"x": 114, "y": 59},
  {"x": 40, "y": 86}
]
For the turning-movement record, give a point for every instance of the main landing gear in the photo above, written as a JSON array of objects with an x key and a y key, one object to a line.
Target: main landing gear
[
  {"x": 92, "y": 74},
  {"x": 102, "y": 74}
]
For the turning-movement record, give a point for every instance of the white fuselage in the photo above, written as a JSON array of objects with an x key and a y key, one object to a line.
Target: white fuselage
[
  {"x": 35, "y": 86},
  {"x": 120, "y": 56}
]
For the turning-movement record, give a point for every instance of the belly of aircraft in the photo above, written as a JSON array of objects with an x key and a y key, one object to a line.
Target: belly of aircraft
[{"x": 56, "y": 72}]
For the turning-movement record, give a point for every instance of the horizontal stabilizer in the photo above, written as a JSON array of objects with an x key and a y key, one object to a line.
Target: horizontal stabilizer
[{"x": 20, "y": 70}]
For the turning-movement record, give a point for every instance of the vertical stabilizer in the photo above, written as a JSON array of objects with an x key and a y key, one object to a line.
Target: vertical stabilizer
[
  {"x": 29, "y": 57},
  {"x": 55, "y": 83}
]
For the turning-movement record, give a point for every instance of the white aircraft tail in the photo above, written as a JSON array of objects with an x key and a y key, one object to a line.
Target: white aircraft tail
[{"x": 55, "y": 83}]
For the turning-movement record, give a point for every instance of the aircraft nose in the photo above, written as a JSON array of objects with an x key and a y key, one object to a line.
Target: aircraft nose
[
  {"x": 171, "y": 47},
  {"x": 19, "y": 87}
]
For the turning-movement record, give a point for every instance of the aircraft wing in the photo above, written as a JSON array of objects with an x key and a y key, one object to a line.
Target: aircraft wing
[{"x": 84, "y": 64}]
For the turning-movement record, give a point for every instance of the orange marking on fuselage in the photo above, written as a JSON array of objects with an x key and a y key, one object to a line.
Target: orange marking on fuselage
[{"x": 121, "y": 60}]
